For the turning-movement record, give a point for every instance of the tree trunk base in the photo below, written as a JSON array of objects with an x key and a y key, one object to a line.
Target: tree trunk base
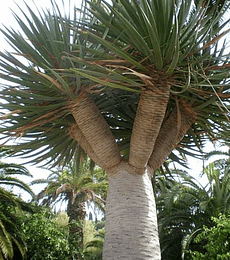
[{"x": 131, "y": 221}]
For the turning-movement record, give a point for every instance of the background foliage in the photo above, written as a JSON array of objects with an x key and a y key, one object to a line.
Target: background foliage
[
  {"x": 217, "y": 240},
  {"x": 47, "y": 238}
]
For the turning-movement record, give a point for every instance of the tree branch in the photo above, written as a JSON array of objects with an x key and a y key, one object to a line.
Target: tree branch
[
  {"x": 170, "y": 134},
  {"x": 96, "y": 131},
  {"x": 76, "y": 134},
  {"x": 147, "y": 123}
]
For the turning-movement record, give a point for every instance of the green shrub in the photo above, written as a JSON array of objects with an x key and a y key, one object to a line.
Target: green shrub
[
  {"x": 46, "y": 239},
  {"x": 217, "y": 240}
]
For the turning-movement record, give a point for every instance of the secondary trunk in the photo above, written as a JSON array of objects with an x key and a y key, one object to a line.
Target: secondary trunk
[
  {"x": 95, "y": 130},
  {"x": 147, "y": 123},
  {"x": 131, "y": 221},
  {"x": 171, "y": 133}
]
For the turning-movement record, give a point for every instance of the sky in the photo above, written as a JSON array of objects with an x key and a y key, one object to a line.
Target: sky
[{"x": 7, "y": 19}]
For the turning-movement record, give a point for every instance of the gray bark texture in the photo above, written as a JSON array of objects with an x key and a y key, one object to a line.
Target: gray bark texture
[{"x": 131, "y": 221}]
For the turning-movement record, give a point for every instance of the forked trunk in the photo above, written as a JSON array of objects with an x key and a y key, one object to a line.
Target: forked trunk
[{"x": 131, "y": 221}]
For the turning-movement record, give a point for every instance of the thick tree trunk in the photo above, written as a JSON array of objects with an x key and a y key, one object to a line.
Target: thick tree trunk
[{"x": 131, "y": 221}]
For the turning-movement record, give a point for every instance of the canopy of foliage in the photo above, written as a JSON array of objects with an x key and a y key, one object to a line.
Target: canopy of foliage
[{"x": 114, "y": 51}]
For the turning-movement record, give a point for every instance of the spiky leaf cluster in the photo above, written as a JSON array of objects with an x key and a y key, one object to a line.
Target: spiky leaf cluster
[{"x": 114, "y": 50}]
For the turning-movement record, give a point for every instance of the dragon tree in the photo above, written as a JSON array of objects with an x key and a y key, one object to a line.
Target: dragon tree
[{"x": 128, "y": 82}]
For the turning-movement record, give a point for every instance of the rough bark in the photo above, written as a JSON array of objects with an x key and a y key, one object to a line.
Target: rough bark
[
  {"x": 147, "y": 123},
  {"x": 76, "y": 211},
  {"x": 95, "y": 130},
  {"x": 77, "y": 135},
  {"x": 172, "y": 131},
  {"x": 131, "y": 221}
]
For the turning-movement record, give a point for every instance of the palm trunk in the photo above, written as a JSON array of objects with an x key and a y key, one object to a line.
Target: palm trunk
[
  {"x": 76, "y": 212},
  {"x": 131, "y": 221}
]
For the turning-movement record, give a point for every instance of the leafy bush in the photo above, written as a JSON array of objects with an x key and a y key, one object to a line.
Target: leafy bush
[
  {"x": 47, "y": 239},
  {"x": 217, "y": 238}
]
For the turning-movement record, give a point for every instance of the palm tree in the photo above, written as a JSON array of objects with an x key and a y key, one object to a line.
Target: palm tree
[
  {"x": 76, "y": 187},
  {"x": 11, "y": 234},
  {"x": 94, "y": 248},
  {"x": 186, "y": 206},
  {"x": 7, "y": 170},
  {"x": 11, "y": 207},
  {"x": 171, "y": 230},
  {"x": 218, "y": 188},
  {"x": 127, "y": 81}
]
